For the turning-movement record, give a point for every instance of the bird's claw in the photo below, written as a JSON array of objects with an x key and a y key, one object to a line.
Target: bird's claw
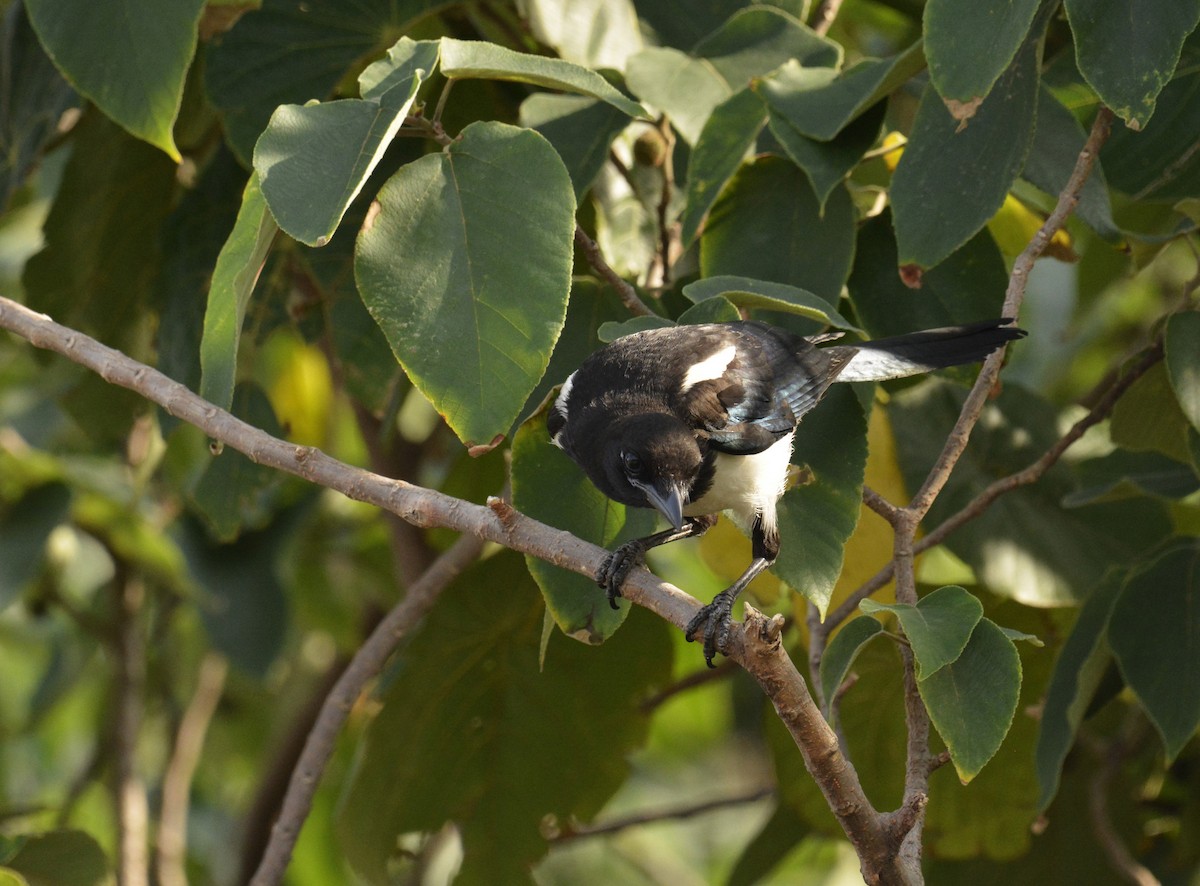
[
  {"x": 716, "y": 618},
  {"x": 617, "y": 566}
]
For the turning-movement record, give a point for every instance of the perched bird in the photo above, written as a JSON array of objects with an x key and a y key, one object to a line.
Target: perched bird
[{"x": 695, "y": 420}]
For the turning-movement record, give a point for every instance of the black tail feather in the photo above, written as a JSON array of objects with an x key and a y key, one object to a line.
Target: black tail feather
[{"x": 930, "y": 349}]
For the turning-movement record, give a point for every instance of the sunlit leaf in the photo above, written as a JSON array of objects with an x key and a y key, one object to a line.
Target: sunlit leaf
[
  {"x": 937, "y": 627},
  {"x": 466, "y": 267},
  {"x": 132, "y": 62},
  {"x": 827, "y": 163},
  {"x": 748, "y": 293},
  {"x": 580, "y": 128}
]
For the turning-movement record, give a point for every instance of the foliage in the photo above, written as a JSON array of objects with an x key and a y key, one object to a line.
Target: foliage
[{"x": 390, "y": 228}]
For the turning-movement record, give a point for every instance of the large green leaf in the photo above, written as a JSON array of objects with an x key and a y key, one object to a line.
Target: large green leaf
[
  {"x": 97, "y": 270},
  {"x": 828, "y": 163},
  {"x": 1183, "y": 362},
  {"x": 312, "y": 160},
  {"x": 132, "y": 63},
  {"x": 767, "y": 225},
  {"x": 455, "y": 743},
  {"x": 593, "y": 33},
  {"x": 684, "y": 23},
  {"x": 972, "y": 700},
  {"x": 969, "y": 44},
  {"x": 237, "y": 271},
  {"x": 466, "y": 267},
  {"x": 746, "y": 293},
  {"x": 1084, "y": 658},
  {"x": 60, "y": 858},
  {"x": 938, "y": 627},
  {"x": 582, "y": 130},
  {"x": 1127, "y": 49},
  {"x": 462, "y": 59},
  {"x": 688, "y": 87},
  {"x": 821, "y": 102},
  {"x": 1154, "y": 633},
  {"x": 35, "y": 97},
  {"x": 816, "y": 518},
  {"x": 24, "y": 528},
  {"x": 1150, "y": 416},
  {"x": 952, "y": 179},
  {"x": 967, "y": 286},
  {"x": 549, "y": 487},
  {"x": 728, "y": 135},
  {"x": 293, "y": 51}
]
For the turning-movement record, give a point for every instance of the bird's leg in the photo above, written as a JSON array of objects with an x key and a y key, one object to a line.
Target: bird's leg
[
  {"x": 716, "y": 617},
  {"x": 620, "y": 563}
]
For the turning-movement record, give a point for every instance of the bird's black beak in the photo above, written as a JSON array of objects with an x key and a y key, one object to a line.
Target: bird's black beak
[{"x": 667, "y": 497}]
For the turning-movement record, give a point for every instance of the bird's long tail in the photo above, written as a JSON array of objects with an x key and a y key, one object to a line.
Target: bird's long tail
[{"x": 918, "y": 352}]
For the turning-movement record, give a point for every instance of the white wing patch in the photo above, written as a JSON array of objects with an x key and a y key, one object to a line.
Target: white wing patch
[
  {"x": 560, "y": 406},
  {"x": 709, "y": 368}
]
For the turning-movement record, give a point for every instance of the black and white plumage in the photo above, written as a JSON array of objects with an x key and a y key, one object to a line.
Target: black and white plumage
[{"x": 695, "y": 420}]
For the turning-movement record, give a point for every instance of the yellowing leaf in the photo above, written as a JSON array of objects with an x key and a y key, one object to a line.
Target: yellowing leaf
[{"x": 1014, "y": 226}]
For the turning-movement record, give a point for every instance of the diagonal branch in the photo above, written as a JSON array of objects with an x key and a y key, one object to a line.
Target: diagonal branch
[{"x": 757, "y": 647}]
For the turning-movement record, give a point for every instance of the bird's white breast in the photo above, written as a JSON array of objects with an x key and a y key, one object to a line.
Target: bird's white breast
[{"x": 747, "y": 486}]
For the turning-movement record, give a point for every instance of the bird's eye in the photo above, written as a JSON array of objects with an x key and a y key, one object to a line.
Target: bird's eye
[{"x": 633, "y": 464}]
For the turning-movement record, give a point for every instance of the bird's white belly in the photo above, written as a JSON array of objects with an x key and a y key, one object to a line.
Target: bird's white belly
[{"x": 747, "y": 485}]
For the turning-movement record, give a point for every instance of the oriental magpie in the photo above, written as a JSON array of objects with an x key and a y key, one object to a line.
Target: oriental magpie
[{"x": 694, "y": 420}]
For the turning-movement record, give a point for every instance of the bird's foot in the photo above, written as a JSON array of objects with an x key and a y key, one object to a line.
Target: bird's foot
[
  {"x": 618, "y": 565},
  {"x": 716, "y": 618}
]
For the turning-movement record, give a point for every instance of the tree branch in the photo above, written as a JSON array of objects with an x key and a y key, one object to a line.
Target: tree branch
[
  {"x": 628, "y": 295},
  {"x": 569, "y": 833},
  {"x": 756, "y": 647}
]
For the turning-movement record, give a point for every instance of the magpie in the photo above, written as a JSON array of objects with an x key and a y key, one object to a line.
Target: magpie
[{"x": 697, "y": 420}]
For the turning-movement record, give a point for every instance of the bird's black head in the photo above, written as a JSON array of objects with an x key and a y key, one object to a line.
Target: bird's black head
[{"x": 650, "y": 460}]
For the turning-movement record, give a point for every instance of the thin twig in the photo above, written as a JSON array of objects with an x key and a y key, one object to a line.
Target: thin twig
[
  {"x": 701, "y": 677},
  {"x": 825, "y": 15},
  {"x": 364, "y": 667},
  {"x": 177, "y": 780},
  {"x": 628, "y": 295},
  {"x": 1112, "y": 756},
  {"x": 668, "y": 233},
  {"x": 571, "y": 833},
  {"x": 129, "y": 793}
]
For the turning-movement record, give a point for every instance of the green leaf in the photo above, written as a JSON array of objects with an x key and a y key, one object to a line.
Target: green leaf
[
  {"x": 97, "y": 270},
  {"x": 950, "y": 182},
  {"x": 471, "y": 301},
  {"x": 293, "y": 51},
  {"x": 840, "y": 654},
  {"x": 727, "y": 137},
  {"x": 36, "y": 97},
  {"x": 768, "y": 225},
  {"x": 11, "y": 878},
  {"x": 1154, "y": 633},
  {"x": 455, "y": 743},
  {"x": 828, "y": 163},
  {"x": 581, "y": 129},
  {"x": 245, "y": 611},
  {"x": 969, "y": 285},
  {"x": 1084, "y": 658},
  {"x": 593, "y": 33},
  {"x": 237, "y": 271},
  {"x": 1123, "y": 474},
  {"x": 134, "y": 67},
  {"x": 972, "y": 700},
  {"x": 612, "y": 330},
  {"x": 938, "y": 627},
  {"x": 711, "y": 310},
  {"x": 753, "y": 42},
  {"x": 1183, "y": 362},
  {"x": 1150, "y": 416},
  {"x": 1127, "y": 50},
  {"x": 473, "y": 59},
  {"x": 821, "y": 102},
  {"x": 782, "y": 832},
  {"x": 970, "y": 43},
  {"x": 313, "y": 160},
  {"x": 60, "y": 858},
  {"x": 747, "y": 293},
  {"x": 1057, "y": 141},
  {"x": 687, "y": 88},
  {"x": 1160, "y": 163},
  {"x": 683, "y": 23},
  {"x": 549, "y": 487},
  {"x": 816, "y": 519},
  {"x": 24, "y": 528}
]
